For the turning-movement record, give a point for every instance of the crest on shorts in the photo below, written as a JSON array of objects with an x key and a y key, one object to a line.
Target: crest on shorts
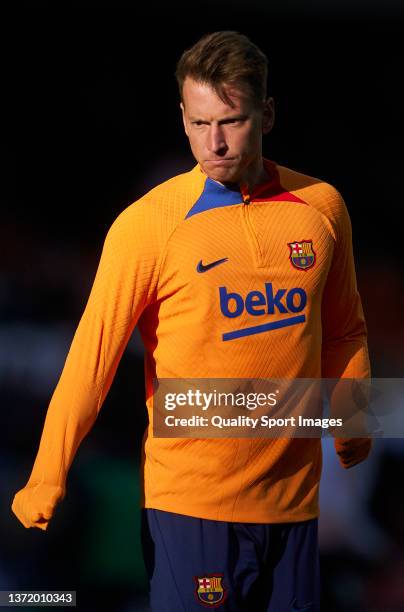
[
  {"x": 302, "y": 255},
  {"x": 209, "y": 590}
]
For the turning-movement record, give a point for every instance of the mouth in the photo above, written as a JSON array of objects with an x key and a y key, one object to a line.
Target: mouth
[{"x": 220, "y": 162}]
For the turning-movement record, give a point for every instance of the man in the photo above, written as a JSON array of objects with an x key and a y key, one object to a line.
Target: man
[{"x": 228, "y": 522}]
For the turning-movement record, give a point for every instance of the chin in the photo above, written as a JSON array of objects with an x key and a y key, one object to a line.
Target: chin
[{"x": 223, "y": 175}]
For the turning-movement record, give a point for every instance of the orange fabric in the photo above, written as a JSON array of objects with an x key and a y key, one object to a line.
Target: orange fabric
[{"x": 147, "y": 276}]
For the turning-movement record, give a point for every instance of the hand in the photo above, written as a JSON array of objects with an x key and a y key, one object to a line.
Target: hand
[
  {"x": 34, "y": 505},
  {"x": 352, "y": 451}
]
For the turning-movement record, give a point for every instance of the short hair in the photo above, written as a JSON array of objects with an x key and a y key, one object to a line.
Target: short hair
[{"x": 225, "y": 58}]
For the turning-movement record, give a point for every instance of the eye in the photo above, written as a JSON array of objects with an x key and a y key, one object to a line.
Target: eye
[
  {"x": 198, "y": 123},
  {"x": 232, "y": 121},
  {"x": 236, "y": 120}
]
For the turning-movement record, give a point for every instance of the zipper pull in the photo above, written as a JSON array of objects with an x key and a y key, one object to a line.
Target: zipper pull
[{"x": 245, "y": 193}]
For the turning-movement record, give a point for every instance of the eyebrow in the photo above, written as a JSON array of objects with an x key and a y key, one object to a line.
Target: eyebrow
[{"x": 231, "y": 118}]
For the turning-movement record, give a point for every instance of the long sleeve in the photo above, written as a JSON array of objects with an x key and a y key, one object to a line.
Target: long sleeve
[
  {"x": 344, "y": 348},
  {"x": 122, "y": 288}
]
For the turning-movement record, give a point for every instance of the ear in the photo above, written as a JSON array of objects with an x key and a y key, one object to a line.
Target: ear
[
  {"x": 184, "y": 120},
  {"x": 268, "y": 118}
]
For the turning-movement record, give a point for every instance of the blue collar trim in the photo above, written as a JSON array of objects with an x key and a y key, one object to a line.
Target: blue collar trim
[{"x": 215, "y": 195}]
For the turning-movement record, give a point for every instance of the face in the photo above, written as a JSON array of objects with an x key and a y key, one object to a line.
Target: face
[{"x": 225, "y": 140}]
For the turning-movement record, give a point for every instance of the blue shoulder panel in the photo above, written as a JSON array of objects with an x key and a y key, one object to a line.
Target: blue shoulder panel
[{"x": 215, "y": 195}]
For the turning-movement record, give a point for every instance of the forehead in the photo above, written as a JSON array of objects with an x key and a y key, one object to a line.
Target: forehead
[{"x": 201, "y": 99}]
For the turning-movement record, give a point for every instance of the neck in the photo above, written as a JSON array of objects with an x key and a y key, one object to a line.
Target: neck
[{"x": 255, "y": 175}]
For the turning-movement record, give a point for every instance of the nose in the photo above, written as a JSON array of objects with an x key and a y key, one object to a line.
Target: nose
[{"x": 216, "y": 140}]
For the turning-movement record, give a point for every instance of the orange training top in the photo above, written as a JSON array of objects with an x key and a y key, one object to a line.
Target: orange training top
[{"x": 281, "y": 301}]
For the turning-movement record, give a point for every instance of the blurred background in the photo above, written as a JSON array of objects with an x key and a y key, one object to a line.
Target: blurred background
[{"x": 94, "y": 123}]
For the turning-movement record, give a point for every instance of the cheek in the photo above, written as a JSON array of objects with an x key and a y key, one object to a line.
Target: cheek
[
  {"x": 248, "y": 141},
  {"x": 196, "y": 142},
  {"x": 255, "y": 138}
]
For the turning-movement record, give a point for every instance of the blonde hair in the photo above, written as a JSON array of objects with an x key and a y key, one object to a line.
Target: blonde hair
[{"x": 225, "y": 58}]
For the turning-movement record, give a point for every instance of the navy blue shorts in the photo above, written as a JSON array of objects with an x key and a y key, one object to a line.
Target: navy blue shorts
[{"x": 197, "y": 563}]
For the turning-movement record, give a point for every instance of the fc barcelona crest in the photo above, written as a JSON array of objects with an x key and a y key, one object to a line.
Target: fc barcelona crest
[
  {"x": 209, "y": 590},
  {"x": 302, "y": 255}
]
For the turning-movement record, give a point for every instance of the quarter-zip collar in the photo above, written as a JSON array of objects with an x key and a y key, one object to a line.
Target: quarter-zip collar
[{"x": 217, "y": 195}]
